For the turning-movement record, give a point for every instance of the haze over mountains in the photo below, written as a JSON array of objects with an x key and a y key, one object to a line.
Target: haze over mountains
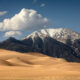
[{"x": 59, "y": 43}]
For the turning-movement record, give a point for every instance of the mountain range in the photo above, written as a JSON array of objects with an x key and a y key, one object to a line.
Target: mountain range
[{"x": 59, "y": 43}]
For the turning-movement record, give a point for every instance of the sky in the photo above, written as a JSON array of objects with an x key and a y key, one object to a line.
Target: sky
[{"x": 18, "y": 18}]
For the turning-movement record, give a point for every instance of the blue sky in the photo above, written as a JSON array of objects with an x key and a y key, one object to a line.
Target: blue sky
[{"x": 60, "y": 13}]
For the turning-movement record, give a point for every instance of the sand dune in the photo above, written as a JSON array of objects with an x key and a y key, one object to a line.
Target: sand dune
[{"x": 36, "y": 66}]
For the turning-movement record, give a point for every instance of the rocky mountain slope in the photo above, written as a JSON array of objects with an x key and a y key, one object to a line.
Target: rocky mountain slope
[
  {"x": 60, "y": 43},
  {"x": 66, "y": 36},
  {"x": 60, "y": 34},
  {"x": 15, "y": 45}
]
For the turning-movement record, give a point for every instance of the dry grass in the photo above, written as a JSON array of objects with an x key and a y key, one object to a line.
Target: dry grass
[{"x": 34, "y": 66}]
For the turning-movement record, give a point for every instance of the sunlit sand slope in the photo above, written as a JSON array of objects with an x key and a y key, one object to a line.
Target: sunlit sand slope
[{"x": 36, "y": 66}]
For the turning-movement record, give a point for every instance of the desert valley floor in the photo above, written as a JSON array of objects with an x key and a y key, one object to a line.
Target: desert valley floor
[{"x": 35, "y": 66}]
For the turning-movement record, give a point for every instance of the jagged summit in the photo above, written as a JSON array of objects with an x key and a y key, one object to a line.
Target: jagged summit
[
  {"x": 44, "y": 32},
  {"x": 60, "y": 34}
]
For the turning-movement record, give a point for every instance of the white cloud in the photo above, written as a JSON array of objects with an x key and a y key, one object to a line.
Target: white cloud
[
  {"x": 42, "y": 5},
  {"x": 3, "y": 13},
  {"x": 26, "y": 19},
  {"x": 12, "y": 34}
]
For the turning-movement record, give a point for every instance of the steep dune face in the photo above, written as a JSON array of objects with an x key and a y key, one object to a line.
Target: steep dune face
[
  {"x": 16, "y": 58},
  {"x": 12, "y": 58},
  {"x": 4, "y": 63},
  {"x": 19, "y": 59},
  {"x": 36, "y": 66}
]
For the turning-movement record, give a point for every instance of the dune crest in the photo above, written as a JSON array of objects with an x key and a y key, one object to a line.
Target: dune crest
[{"x": 36, "y": 66}]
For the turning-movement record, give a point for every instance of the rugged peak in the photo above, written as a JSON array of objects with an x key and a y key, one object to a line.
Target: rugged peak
[
  {"x": 11, "y": 40},
  {"x": 60, "y": 34}
]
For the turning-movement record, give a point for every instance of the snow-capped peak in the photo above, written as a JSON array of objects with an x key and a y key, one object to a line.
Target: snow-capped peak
[{"x": 60, "y": 34}]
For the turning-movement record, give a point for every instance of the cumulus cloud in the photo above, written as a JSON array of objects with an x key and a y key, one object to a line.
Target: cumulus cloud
[
  {"x": 12, "y": 34},
  {"x": 26, "y": 19},
  {"x": 3, "y": 13},
  {"x": 42, "y": 5}
]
